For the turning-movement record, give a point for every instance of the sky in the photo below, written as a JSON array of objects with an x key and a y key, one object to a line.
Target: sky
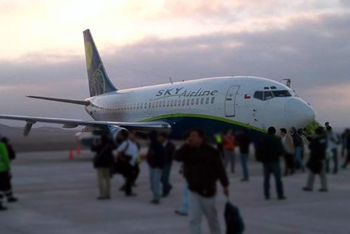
[{"x": 146, "y": 42}]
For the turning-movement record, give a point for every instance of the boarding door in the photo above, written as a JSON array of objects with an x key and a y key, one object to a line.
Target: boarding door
[{"x": 230, "y": 101}]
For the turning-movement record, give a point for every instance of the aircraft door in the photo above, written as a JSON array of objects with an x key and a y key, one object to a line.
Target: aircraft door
[{"x": 230, "y": 101}]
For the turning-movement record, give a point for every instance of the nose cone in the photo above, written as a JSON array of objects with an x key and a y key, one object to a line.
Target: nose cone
[{"x": 298, "y": 113}]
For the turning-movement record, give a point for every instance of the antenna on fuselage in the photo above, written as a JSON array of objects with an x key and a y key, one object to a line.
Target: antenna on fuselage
[
  {"x": 288, "y": 83},
  {"x": 171, "y": 80}
]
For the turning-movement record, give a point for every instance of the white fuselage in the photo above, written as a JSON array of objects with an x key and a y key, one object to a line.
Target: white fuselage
[{"x": 245, "y": 101}]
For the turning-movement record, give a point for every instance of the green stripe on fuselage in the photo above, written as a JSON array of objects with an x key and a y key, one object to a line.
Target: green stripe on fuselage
[{"x": 211, "y": 117}]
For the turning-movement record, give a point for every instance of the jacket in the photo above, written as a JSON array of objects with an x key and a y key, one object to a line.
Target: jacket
[
  {"x": 202, "y": 168},
  {"x": 4, "y": 158},
  {"x": 168, "y": 152},
  {"x": 155, "y": 156},
  {"x": 104, "y": 156},
  {"x": 272, "y": 149},
  {"x": 288, "y": 144},
  {"x": 318, "y": 146},
  {"x": 244, "y": 142}
]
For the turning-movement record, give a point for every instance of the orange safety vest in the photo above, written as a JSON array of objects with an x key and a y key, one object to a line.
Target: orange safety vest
[{"x": 229, "y": 142}]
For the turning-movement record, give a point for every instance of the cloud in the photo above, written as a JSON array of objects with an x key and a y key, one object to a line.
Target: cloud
[{"x": 313, "y": 50}]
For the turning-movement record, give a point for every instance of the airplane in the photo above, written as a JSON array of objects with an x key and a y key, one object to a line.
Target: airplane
[{"x": 213, "y": 104}]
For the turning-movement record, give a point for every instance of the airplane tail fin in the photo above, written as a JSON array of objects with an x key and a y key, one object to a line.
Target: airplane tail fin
[{"x": 99, "y": 83}]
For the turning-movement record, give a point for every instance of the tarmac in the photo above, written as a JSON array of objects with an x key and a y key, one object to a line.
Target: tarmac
[{"x": 58, "y": 195}]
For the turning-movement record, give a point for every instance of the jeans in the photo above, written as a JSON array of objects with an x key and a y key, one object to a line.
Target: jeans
[
  {"x": 165, "y": 179},
  {"x": 155, "y": 174},
  {"x": 229, "y": 157},
  {"x": 244, "y": 163},
  {"x": 335, "y": 161},
  {"x": 185, "y": 205},
  {"x": 275, "y": 169},
  {"x": 298, "y": 159},
  {"x": 199, "y": 206}
]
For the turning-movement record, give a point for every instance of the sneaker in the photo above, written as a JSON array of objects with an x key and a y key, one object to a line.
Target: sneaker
[
  {"x": 306, "y": 189},
  {"x": 181, "y": 213},
  {"x": 131, "y": 195},
  {"x": 12, "y": 199},
  {"x": 155, "y": 201},
  {"x": 323, "y": 190}
]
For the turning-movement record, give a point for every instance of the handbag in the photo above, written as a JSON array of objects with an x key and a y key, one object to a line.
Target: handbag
[{"x": 233, "y": 219}]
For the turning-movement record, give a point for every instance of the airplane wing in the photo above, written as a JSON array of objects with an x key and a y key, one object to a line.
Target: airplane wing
[{"x": 72, "y": 123}]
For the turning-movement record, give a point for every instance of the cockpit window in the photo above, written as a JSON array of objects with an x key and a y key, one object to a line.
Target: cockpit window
[
  {"x": 267, "y": 95},
  {"x": 259, "y": 95},
  {"x": 281, "y": 93}
]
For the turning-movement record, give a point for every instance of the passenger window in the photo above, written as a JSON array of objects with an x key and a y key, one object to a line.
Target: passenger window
[
  {"x": 212, "y": 100},
  {"x": 171, "y": 103},
  {"x": 175, "y": 102},
  {"x": 192, "y": 101},
  {"x": 197, "y": 101},
  {"x": 179, "y": 103},
  {"x": 188, "y": 102},
  {"x": 202, "y": 101},
  {"x": 259, "y": 95},
  {"x": 207, "y": 100},
  {"x": 168, "y": 103},
  {"x": 183, "y": 102}
]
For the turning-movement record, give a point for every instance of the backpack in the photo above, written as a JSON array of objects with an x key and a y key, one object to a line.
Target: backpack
[{"x": 233, "y": 219}]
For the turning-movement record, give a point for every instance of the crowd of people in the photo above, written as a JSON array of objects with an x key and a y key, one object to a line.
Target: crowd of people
[{"x": 202, "y": 165}]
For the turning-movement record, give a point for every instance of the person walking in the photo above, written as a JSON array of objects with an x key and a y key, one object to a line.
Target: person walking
[
  {"x": 244, "y": 143},
  {"x": 316, "y": 163},
  {"x": 298, "y": 147},
  {"x": 168, "y": 151},
  {"x": 12, "y": 156},
  {"x": 202, "y": 169},
  {"x": 288, "y": 145},
  {"x": 156, "y": 163},
  {"x": 229, "y": 150},
  {"x": 343, "y": 142},
  {"x": 332, "y": 142},
  {"x": 127, "y": 154},
  {"x": 272, "y": 151},
  {"x": 347, "y": 144},
  {"x": 219, "y": 144},
  {"x": 103, "y": 162}
]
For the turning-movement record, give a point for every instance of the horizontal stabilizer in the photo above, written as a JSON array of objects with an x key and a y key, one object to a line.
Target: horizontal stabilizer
[{"x": 77, "y": 102}]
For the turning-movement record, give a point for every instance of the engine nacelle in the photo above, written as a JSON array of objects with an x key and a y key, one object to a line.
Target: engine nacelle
[{"x": 87, "y": 138}]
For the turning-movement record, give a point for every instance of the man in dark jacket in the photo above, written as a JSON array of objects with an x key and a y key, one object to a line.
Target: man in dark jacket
[
  {"x": 272, "y": 151},
  {"x": 202, "y": 169},
  {"x": 103, "y": 162},
  {"x": 244, "y": 143},
  {"x": 168, "y": 151},
  {"x": 346, "y": 144},
  {"x": 156, "y": 163},
  {"x": 316, "y": 163}
]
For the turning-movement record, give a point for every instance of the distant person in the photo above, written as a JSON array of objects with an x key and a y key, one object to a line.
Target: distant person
[
  {"x": 229, "y": 150},
  {"x": 128, "y": 153},
  {"x": 202, "y": 169},
  {"x": 11, "y": 152},
  {"x": 316, "y": 163},
  {"x": 156, "y": 163},
  {"x": 288, "y": 145},
  {"x": 343, "y": 142},
  {"x": 347, "y": 144},
  {"x": 332, "y": 142},
  {"x": 272, "y": 151},
  {"x": 326, "y": 125},
  {"x": 168, "y": 154},
  {"x": 298, "y": 147},
  {"x": 103, "y": 162},
  {"x": 303, "y": 140},
  {"x": 244, "y": 143},
  {"x": 5, "y": 177}
]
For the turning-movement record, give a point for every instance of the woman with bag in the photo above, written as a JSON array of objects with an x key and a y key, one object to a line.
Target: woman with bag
[{"x": 103, "y": 162}]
